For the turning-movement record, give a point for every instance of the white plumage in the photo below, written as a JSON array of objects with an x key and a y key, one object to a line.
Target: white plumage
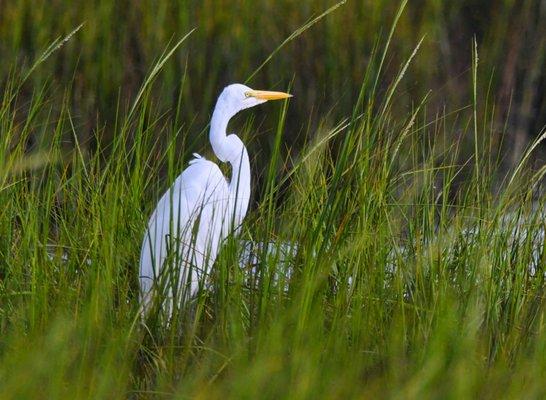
[{"x": 200, "y": 209}]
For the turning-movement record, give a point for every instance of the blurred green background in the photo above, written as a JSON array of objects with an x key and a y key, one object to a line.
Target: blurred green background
[{"x": 108, "y": 59}]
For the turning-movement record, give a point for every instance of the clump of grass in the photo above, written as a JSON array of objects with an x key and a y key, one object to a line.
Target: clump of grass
[{"x": 403, "y": 279}]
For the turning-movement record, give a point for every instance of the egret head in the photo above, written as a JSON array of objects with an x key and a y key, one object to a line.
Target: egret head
[
  {"x": 237, "y": 97},
  {"x": 234, "y": 98}
]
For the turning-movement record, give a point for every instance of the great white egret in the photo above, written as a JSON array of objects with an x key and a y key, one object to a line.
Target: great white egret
[{"x": 201, "y": 208}]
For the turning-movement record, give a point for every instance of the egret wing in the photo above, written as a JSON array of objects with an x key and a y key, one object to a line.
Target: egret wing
[{"x": 185, "y": 229}]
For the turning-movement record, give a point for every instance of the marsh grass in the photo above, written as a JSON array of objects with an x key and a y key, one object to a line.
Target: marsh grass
[{"x": 406, "y": 281}]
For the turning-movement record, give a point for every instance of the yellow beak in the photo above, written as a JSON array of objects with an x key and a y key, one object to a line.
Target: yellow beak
[{"x": 266, "y": 95}]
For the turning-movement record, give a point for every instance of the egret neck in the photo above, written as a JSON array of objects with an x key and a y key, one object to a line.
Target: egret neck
[{"x": 230, "y": 149}]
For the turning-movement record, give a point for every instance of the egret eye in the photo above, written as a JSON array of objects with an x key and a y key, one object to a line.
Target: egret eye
[{"x": 247, "y": 94}]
